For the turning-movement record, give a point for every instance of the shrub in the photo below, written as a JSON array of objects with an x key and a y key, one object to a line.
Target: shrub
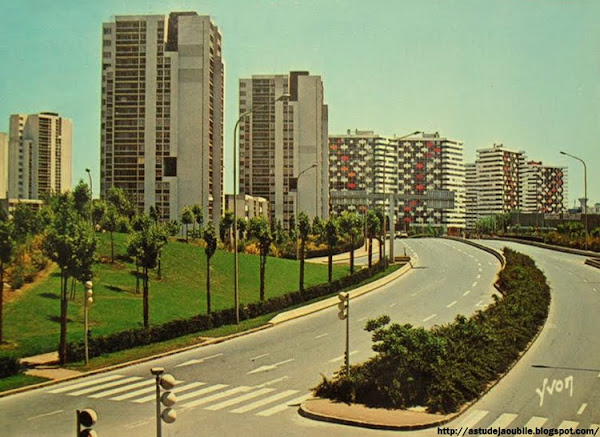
[
  {"x": 448, "y": 365},
  {"x": 9, "y": 366}
]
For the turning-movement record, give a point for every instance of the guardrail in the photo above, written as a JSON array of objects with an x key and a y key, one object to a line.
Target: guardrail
[
  {"x": 549, "y": 246},
  {"x": 494, "y": 252}
]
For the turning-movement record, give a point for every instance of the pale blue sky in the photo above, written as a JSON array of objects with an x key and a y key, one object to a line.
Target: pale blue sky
[{"x": 523, "y": 73}]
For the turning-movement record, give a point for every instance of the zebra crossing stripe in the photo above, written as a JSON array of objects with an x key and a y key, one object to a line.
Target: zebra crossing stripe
[
  {"x": 177, "y": 390},
  {"x": 264, "y": 401},
  {"x": 84, "y": 383},
  {"x": 594, "y": 427},
  {"x": 217, "y": 396},
  {"x": 503, "y": 421},
  {"x": 239, "y": 399},
  {"x": 568, "y": 424},
  {"x": 278, "y": 408},
  {"x": 474, "y": 417},
  {"x": 103, "y": 394},
  {"x": 103, "y": 386},
  {"x": 536, "y": 422},
  {"x": 152, "y": 389},
  {"x": 200, "y": 392}
]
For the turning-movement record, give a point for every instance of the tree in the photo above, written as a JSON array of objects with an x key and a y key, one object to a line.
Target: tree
[
  {"x": 70, "y": 242},
  {"x": 258, "y": 228},
  {"x": 381, "y": 233},
  {"x": 110, "y": 221},
  {"x": 82, "y": 198},
  {"x": 145, "y": 245},
  {"x": 24, "y": 221},
  {"x": 292, "y": 231},
  {"x": 121, "y": 201},
  {"x": 99, "y": 208},
  {"x": 210, "y": 239},
  {"x": 7, "y": 246},
  {"x": 225, "y": 225},
  {"x": 153, "y": 213},
  {"x": 373, "y": 227},
  {"x": 317, "y": 226},
  {"x": 351, "y": 225},
  {"x": 331, "y": 236},
  {"x": 198, "y": 216},
  {"x": 303, "y": 231},
  {"x": 242, "y": 225},
  {"x": 187, "y": 218}
]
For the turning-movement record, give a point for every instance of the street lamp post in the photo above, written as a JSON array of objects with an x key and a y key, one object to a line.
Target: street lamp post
[
  {"x": 298, "y": 199},
  {"x": 89, "y": 172},
  {"x": 235, "y": 235},
  {"x": 584, "y": 191}
]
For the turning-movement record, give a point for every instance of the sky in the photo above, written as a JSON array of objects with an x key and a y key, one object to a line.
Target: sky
[{"x": 522, "y": 73}]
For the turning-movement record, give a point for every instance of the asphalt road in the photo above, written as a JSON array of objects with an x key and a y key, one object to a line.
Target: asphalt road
[
  {"x": 557, "y": 383},
  {"x": 252, "y": 385}
]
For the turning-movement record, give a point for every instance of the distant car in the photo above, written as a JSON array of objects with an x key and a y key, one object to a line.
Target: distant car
[{"x": 401, "y": 234}]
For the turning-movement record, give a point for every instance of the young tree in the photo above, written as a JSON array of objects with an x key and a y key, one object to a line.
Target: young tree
[
  {"x": 303, "y": 231},
  {"x": 242, "y": 225},
  {"x": 7, "y": 245},
  {"x": 121, "y": 201},
  {"x": 198, "y": 216},
  {"x": 258, "y": 228},
  {"x": 110, "y": 221},
  {"x": 351, "y": 225},
  {"x": 225, "y": 227},
  {"x": 82, "y": 198},
  {"x": 210, "y": 238},
  {"x": 146, "y": 245},
  {"x": 99, "y": 208},
  {"x": 24, "y": 221},
  {"x": 373, "y": 227},
  {"x": 153, "y": 213},
  {"x": 187, "y": 218},
  {"x": 292, "y": 231},
  {"x": 331, "y": 236},
  {"x": 70, "y": 242}
]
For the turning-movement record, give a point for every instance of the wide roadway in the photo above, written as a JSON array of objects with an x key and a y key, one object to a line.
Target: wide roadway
[{"x": 252, "y": 385}]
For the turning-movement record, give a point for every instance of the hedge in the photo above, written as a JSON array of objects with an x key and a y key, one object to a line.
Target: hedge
[
  {"x": 448, "y": 365},
  {"x": 317, "y": 253},
  {"x": 177, "y": 328},
  {"x": 9, "y": 366}
]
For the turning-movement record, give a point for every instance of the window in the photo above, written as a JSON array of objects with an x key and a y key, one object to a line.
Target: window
[{"x": 170, "y": 166}]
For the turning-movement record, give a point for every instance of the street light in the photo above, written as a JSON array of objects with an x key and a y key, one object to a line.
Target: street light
[
  {"x": 584, "y": 191},
  {"x": 298, "y": 198},
  {"x": 283, "y": 97},
  {"x": 89, "y": 172}
]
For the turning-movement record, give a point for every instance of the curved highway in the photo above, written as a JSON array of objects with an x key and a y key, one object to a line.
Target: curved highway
[{"x": 252, "y": 385}]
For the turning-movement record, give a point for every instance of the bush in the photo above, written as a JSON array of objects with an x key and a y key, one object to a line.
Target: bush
[
  {"x": 9, "y": 366},
  {"x": 448, "y": 365},
  {"x": 177, "y": 328}
]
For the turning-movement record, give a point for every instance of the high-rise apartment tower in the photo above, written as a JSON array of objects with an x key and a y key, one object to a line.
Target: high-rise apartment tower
[{"x": 162, "y": 112}]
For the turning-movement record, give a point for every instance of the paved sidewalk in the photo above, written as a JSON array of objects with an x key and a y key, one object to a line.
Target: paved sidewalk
[
  {"x": 46, "y": 366},
  {"x": 376, "y": 418}
]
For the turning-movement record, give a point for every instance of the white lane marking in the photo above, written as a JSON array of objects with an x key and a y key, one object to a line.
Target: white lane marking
[
  {"x": 149, "y": 382},
  {"x": 185, "y": 396},
  {"x": 291, "y": 403},
  {"x": 322, "y": 335},
  {"x": 393, "y": 305},
  {"x": 269, "y": 367},
  {"x": 571, "y": 273},
  {"x": 217, "y": 396},
  {"x": 273, "y": 381},
  {"x": 264, "y": 401},
  {"x": 479, "y": 303},
  {"x": 341, "y": 357},
  {"x": 466, "y": 292},
  {"x": 480, "y": 270},
  {"x": 474, "y": 284},
  {"x": 45, "y": 414},
  {"x": 414, "y": 294},
  {"x": 103, "y": 386},
  {"x": 246, "y": 397},
  {"x": 362, "y": 319},
  {"x": 567, "y": 424},
  {"x": 490, "y": 264},
  {"x": 503, "y": 421},
  {"x": 197, "y": 361},
  {"x": 474, "y": 418},
  {"x": 585, "y": 280},
  {"x": 581, "y": 409},
  {"x": 478, "y": 276},
  {"x": 450, "y": 305},
  {"x": 595, "y": 289},
  {"x": 85, "y": 383},
  {"x": 427, "y": 319},
  {"x": 260, "y": 356},
  {"x": 536, "y": 422}
]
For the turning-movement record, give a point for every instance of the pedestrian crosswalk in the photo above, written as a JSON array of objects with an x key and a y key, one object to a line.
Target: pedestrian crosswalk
[
  {"x": 477, "y": 418},
  {"x": 258, "y": 400}
]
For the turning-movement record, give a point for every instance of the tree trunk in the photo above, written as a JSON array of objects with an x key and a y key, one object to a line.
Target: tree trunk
[
  {"x": 330, "y": 264},
  {"x": 1, "y": 301},
  {"x": 137, "y": 277},
  {"x": 352, "y": 255},
  {"x": 64, "y": 302},
  {"x": 380, "y": 251},
  {"x": 207, "y": 285},
  {"x": 301, "y": 266},
  {"x": 72, "y": 296},
  {"x": 370, "y": 252},
  {"x": 146, "y": 300},
  {"x": 159, "y": 270},
  {"x": 263, "y": 262}
]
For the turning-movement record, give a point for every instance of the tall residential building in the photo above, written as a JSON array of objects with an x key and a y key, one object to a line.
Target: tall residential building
[
  {"x": 470, "y": 195},
  {"x": 39, "y": 155},
  {"x": 3, "y": 166},
  {"x": 162, "y": 112},
  {"x": 357, "y": 161},
  {"x": 430, "y": 167},
  {"x": 543, "y": 188},
  {"x": 497, "y": 185},
  {"x": 285, "y": 142}
]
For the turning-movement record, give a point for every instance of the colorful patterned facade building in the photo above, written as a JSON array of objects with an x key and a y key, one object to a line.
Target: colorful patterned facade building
[{"x": 543, "y": 188}]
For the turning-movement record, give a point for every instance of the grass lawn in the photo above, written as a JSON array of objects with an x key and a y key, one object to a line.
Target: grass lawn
[
  {"x": 31, "y": 320},
  {"x": 20, "y": 380}
]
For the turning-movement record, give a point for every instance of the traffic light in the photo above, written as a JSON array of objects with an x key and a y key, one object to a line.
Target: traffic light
[
  {"x": 89, "y": 293},
  {"x": 167, "y": 398},
  {"x": 343, "y": 305},
  {"x": 86, "y": 419}
]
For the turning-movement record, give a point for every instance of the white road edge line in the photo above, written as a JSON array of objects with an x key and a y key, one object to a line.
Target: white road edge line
[
  {"x": 466, "y": 292},
  {"x": 450, "y": 305},
  {"x": 322, "y": 335},
  {"x": 581, "y": 409},
  {"x": 260, "y": 356}
]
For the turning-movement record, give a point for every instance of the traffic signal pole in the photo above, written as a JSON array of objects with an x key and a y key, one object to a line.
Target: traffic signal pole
[{"x": 348, "y": 336}]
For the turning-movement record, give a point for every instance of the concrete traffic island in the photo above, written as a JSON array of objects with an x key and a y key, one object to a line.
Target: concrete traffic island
[{"x": 359, "y": 415}]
